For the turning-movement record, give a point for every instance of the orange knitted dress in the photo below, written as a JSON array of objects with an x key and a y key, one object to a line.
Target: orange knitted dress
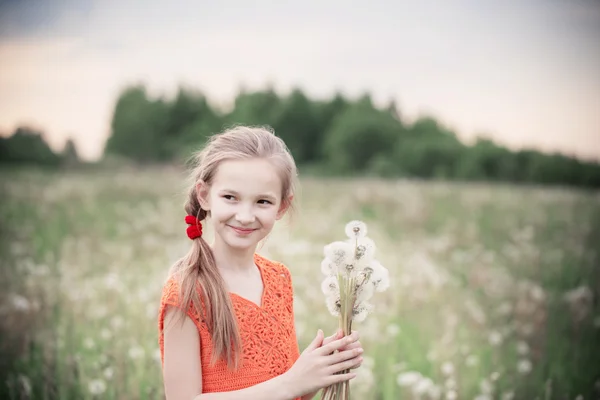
[{"x": 269, "y": 344}]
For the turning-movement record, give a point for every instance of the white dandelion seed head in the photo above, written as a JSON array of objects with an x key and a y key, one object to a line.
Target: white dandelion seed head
[
  {"x": 327, "y": 267},
  {"x": 422, "y": 386},
  {"x": 472, "y": 360},
  {"x": 522, "y": 348},
  {"x": 361, "y": 310},
  {"x": 524, "y": 366},
  {"x": 356, "y": 229},
  {"x": 108, "y": 373},
  {"x": 495, "y": 338},
  {"x": 136, "y": 352},
  {"x": 451, "y": 395},
  {"x": 330, "y": 287},
  {"x": 486, "y": 387},
  {"x": 408, "y": 378},
  {"x": 447, "y": 368},
  {"x": 89, "y": 343},
  {"x": 380, "y": 276},
  {"x": 434, "y": 392},
  {"x": 340, "y": 253},
  {"x": 97, "y": 386},
  {"x": 393, "y": 330},
  {"x": 333, "y": 305},
  {"x": 364, "y": 251},
  {"x": 508, "y": 395},
  {"x": 364, "y": 291}
]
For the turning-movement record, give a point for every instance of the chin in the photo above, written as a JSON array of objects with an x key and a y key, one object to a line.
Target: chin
[{"x": 241, "y": 243}]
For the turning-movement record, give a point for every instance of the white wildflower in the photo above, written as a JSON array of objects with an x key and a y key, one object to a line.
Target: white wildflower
[
  {"x": 333, "y": 305},
  {"x": 508, "y": 395},
  {"x": 108, "y": 373},
  {"x": 364, "y": 291},
  {"x": 105, "y": 334},
  {"x": 486, "y": 386},
  {"x": 447, "y": 368},
  {"x": 364, "y": 251},
  {"x": 408, "y": 378},
  {"x": 327, "y": 267},
  {"x": 422, "y": 386},
  {"x": 88, "y": 343},
  {"x": 393, "y": 330},
  {"x": 116, "y": 322},
  {"x": 340, "y": 254},
  {"x": 329, "y": 286},
  {"x": 524, "y": 366},
  {"x": 380, "y": 276},
  {"x": 356, "y": 229},
  {"x": 537, "y": 293},
  {"x": 25, "y": 384},
  {"x": 522, "y": 348},
  {"x": 136, "y": 352},
  {"x": 434, "y": 392},
  {"x": 495, "y": 338},
  {"x": 20, "y": 303},
  {"x": 361, "y": 310},
  {"x": 97, "y": 386},
  {"x": 495, "y": 376},
  {"x": 483, "y": 397},
  {"x": 451, "y": 395},
  {"x": 156, "y": 355}
]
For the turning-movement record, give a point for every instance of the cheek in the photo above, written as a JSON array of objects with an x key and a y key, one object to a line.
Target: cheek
[{"x": 268, "y": 217}]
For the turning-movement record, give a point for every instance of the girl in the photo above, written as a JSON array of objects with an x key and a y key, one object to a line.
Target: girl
[{"x": 226, "y": 319}]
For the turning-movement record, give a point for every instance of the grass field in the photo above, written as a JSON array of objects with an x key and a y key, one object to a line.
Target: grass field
[{"x": 494, "y": 291}]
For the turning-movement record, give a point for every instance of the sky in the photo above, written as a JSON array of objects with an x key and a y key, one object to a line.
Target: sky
[{"x": 525, "y": 73}]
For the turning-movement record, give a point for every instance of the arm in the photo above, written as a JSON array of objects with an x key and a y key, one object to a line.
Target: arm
[
  {"x": 182, "y": 374},
  {"x": 318, "y": 366},
  {"x": 310, "y": 395},
  {"x": 337, "y": 335}
]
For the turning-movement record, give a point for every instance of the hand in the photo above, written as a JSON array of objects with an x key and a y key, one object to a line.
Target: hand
[
  {"x": 340, "y": 334},
  {"x": 318, "y": 366}
]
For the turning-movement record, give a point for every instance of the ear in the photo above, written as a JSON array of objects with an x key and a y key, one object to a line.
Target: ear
[
  {"x": 285, "y": 205},
  {"x": 202, "y": 191}
]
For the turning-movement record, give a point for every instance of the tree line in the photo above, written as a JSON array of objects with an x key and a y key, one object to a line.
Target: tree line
[{"x": 336, "y": 136}]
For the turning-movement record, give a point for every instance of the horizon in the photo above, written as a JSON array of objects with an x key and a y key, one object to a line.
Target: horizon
[{"x": 522, "y": 74}]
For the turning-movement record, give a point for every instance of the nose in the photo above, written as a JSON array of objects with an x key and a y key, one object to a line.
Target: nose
[{"x": 245, "y": 216}]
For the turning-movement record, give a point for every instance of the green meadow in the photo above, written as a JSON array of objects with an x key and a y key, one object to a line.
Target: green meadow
[{"x": 494, "y": 287}]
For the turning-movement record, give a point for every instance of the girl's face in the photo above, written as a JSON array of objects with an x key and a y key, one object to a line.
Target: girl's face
[{"x": 244, "y": 201}]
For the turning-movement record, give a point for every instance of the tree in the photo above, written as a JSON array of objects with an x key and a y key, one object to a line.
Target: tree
[
  {"x": 138, "y": 128},
  {"x": 359, "y": 135}
]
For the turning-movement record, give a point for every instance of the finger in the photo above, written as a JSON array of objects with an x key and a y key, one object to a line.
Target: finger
[
  {"x": 336, "y": 378},
  {"x": 351, "y": 346},
  {"x": 348, "y": 364},
  {"x": 358, "y": 365},
  {"x": 337, "y": 335},
  {"x": 338, "y": 344},
  {"x": 317, "y": 341},
  {"x": 341, "y": 356}
]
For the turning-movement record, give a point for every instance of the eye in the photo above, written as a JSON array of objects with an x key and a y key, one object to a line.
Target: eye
[
  {"x": 228, "y": 197},
  {"x": 263, "y": 201}
]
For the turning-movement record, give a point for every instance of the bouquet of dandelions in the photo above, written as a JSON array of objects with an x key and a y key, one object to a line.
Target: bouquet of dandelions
[{"x": 352, "y": 277}]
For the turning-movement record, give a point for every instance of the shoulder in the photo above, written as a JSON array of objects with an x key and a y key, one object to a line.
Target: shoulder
[
  {"x": 273, "y": 267},
  {"x": 170, "y": 292}
]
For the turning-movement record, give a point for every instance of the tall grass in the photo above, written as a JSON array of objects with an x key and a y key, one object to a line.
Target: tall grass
[{"x": 494, "y": 288}]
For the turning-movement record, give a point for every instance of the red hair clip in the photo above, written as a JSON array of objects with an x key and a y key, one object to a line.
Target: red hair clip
[{"x": 194, "y": 230}]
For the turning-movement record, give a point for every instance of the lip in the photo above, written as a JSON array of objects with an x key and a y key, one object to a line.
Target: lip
[{"x": 242, "y": 231}]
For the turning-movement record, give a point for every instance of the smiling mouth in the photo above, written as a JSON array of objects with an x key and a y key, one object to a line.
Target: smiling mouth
[{"x": 241, "y": 230}]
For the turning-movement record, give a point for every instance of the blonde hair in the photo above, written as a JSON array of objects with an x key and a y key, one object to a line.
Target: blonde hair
[{"x": 198, "y": 269}]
